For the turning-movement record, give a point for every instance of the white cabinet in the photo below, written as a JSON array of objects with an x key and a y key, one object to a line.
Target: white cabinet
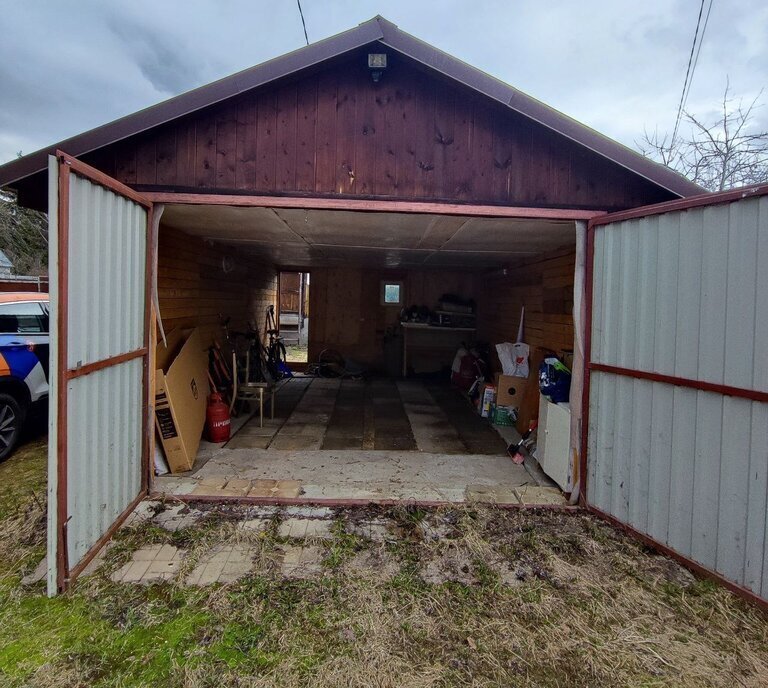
[{"x": 553, "y": 449}]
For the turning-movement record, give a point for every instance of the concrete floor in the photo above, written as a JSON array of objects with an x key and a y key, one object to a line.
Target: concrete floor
[{"x": 374, "y": 440}]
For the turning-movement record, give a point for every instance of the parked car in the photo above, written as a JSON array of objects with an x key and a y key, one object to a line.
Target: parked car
[{"x": 24, "y": 351}]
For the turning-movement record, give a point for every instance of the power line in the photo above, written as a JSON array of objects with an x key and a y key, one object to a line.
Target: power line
[
  {"x": 698, "y": 50},
  {"x": 691, "y": 68},
  {"x": 687, "y": 74},
  {"x": 303, "y": 23}
]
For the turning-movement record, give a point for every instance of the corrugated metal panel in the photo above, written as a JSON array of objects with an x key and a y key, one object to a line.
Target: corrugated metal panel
[
  {"x": 106, "y": 235},
  {"x": 107, "y": 258},
  {"x": 107, "y": 277},
  {"x": 677, "y": 294},
  {"x": 686, "y": 467},
  {"x": 104, "y": 442},
  {"x": 683, "y": 294}
]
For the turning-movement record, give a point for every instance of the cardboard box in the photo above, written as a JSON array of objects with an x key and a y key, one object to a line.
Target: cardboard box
[
  {"x": 181, "y": 394},
  {"x": 486, "y": 400},
  {"x": 510, "y": 390}
]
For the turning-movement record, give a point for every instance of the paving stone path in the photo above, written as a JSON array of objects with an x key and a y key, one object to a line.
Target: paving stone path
[
  {"x": 150, "y": 564},
  {"x": 303, "y": 538},
  {"x": 223, "y": 564}
]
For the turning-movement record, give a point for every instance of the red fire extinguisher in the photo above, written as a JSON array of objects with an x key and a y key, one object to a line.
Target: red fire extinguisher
[{"x": 217, "y": 419}]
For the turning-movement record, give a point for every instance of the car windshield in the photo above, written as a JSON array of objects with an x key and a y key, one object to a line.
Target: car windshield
[{"x": 23, "y": 318}]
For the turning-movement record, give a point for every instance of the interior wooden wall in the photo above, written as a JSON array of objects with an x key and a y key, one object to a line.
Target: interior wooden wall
[
  {"x": 194, "y": 290},
  {"x": 544, "y": 285},
  {"x": 347, "y": 314}
]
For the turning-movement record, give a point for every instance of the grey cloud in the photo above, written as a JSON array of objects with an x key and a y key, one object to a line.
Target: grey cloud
[
  {"x": 618, "y": 67},
  {"x": 166, "y": 64}
]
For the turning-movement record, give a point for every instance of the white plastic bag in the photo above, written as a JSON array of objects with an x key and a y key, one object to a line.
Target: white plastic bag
[
  {"x": 513, "y": 358},
  {"x": 460, "y": 353},
  {"x": 161, "y": 465}
]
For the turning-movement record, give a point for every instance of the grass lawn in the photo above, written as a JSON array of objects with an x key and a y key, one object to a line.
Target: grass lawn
[
  {"x": 296, "y": 353},
  {"x": 463, "y": 597}
]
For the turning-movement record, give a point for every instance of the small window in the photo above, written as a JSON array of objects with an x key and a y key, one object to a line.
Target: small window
[
  {"x": 391, "y": 293},
  {"x": 23, "y": 318}
]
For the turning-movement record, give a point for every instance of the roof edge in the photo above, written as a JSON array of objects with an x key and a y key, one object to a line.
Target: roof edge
[
  {"x": 534, "y": 109},
  {"x": 376, "y": 29},
  {"x": 195, "y": 99}
]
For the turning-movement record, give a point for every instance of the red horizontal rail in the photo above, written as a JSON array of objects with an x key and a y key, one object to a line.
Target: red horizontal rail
[
  {"x": 98, "y": 177},
  {"x": 682, "y": 204},
  {"x": 702, "y": 385},
  {"x": 89, "y": 368},
  {"x": 318, "y": 203}
]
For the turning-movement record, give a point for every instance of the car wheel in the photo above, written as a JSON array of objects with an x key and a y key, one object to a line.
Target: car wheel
[{"x": 11, "y": 420}]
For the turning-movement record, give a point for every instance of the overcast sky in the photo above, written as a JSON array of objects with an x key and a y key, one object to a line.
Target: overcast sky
[{"x": 615, "y": 65}]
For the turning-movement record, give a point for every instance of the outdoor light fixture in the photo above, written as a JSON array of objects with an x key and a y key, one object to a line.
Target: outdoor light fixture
[{"x": 377, "y": 63}]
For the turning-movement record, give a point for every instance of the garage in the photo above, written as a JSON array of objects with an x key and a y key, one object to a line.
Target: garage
[
  {"x": 430, "y": 206},
  {"x": 394, "y": 428}
]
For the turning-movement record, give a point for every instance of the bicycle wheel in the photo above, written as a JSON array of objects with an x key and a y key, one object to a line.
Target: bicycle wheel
[
  {"x": 271, "y": 372},
  {"x": 280, "y": 354},
  {"x": 276, "y": 360}
]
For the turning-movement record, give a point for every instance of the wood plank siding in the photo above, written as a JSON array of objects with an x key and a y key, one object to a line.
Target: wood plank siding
[
  {"x": 544, "y": 285},
  {"x": 413, "y": 136},
  {"x": 195, "y": 288},
  {"x": 347, "y": 314}
]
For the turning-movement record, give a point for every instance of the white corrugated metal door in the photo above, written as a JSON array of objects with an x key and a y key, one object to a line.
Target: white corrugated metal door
[
  {"x": 677, "y": 443},
  {"x": 98, "y": 440}
]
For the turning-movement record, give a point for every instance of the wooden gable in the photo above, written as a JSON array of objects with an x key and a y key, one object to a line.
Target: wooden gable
[{"x": 412, "y": 136}]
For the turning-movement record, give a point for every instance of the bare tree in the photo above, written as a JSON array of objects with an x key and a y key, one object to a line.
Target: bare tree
[{"x": 722, "y": 154}]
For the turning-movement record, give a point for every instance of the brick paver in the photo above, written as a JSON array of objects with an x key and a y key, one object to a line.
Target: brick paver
[
  {"x": 302, "y": 562},
  {"x": 222, "y": 564},
  {"x": 299, "y": 528},
  {"x": 375, "y": 530},
  {"x": 253, "y": 525},
  {"x": 150, "y": 564},
  {"x": 177, "y": 516}
]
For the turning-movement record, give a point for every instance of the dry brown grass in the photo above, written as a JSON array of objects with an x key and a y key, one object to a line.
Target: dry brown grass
[{"x": 517, "y": 599}]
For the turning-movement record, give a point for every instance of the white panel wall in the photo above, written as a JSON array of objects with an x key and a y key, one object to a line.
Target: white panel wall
[{"x": 685, "y": 294}]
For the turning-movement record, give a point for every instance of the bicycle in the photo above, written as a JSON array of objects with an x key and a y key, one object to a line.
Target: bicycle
[
  {"x": 248, "y": 349},
  {"x": 275, "y": 354}
]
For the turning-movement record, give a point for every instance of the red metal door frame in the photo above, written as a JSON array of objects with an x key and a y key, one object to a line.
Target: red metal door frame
[
  {"x": 68, "y": 166},
  {"x": 589, "y": 366},
  {"x": 366, "y": 205}
]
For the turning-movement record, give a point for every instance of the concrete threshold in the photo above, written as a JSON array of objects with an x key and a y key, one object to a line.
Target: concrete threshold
[{"x": 360, "y": 476}]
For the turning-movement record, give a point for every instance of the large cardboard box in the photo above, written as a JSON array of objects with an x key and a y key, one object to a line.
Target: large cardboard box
[
  {"x": 181, "y": 393},
  {"x": 509, "y": 390}
]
